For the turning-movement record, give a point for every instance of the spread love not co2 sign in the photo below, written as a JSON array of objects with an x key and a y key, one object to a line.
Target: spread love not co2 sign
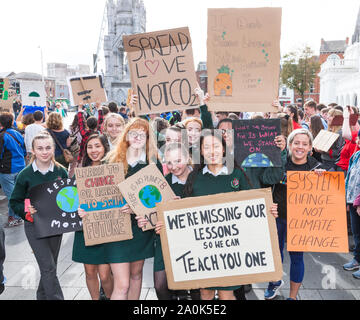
[{"x": 162, "y": 70}]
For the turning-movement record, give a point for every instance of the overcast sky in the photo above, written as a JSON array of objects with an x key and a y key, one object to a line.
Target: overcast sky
[{"x": 68, "y": 30}]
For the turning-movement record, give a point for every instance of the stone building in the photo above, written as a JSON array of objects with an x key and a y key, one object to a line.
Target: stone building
[
  {"x": 124, "y": 17},
  {"x": 340, "y": 74}
]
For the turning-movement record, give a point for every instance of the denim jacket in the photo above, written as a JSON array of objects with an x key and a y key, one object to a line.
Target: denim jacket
[{"x": 353, "y": 186}]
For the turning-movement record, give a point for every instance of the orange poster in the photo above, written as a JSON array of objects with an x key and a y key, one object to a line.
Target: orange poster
[{"x": 316, "y": 212}]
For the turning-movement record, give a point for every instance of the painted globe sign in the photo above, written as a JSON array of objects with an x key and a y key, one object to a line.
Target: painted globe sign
[
  {"x": 149, "y": 196},
  {"x": 68, "y": 200}
]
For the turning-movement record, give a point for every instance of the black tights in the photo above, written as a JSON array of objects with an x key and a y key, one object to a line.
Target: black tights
[{"x": 161, "y": 286}]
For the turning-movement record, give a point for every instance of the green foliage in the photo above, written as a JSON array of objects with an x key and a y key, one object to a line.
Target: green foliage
[
  {"x": 224, "y": 69},
  {"x": 299, "y": 70}
]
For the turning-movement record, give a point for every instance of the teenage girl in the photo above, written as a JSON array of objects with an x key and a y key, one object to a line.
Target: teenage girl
[
  {"x": 42, "y": 169},
  {"x": 93, "y": 257}
]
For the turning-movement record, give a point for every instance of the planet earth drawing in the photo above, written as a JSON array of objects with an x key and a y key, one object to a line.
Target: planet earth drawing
[
  {"x": 68, "y": 200},
  {"x": 149, "y": 196},
  {"x": 257, "y": 160}
]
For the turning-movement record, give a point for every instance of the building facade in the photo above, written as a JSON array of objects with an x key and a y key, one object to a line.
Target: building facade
[
  {"x": 124, "y": 17},
  {"x": 340, "y": 74}
]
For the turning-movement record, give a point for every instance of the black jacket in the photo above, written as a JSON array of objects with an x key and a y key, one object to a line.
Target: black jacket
[{"x": 280, "y": 189}]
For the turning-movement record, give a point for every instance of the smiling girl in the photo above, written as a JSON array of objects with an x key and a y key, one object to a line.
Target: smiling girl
[
  {"x": 42, "y": 168},
  {"x": 93, "y": 257}
]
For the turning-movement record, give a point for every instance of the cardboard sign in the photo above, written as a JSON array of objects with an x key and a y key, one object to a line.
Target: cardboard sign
[
  {"x": 316, "y": 212},
  {"x": 324, "y": 140},
  {"x": 87, "y": 89},
  {"x": 162, "y": 70},
  {"x": 144, "y": 190},
  {"x": 254, "y": 142},
  {"x": 57, "y": 204},
  {"x": 100, "y": 196},
  {"x": 6, "y": 96},
  {"x": 243, "y": 58},
  {"x": 221, "y": 240},
  {"x": 33, "y": 92}
]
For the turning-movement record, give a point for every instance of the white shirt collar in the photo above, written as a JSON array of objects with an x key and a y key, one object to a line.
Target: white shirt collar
[
  {"x": 175, "y": 179},
  {"x": 35, "y": 168},
  {"x": 142, "y": 159},
  {"x": 223, "y": 171}
]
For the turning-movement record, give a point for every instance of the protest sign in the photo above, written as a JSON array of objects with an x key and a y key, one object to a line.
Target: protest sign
[
  {"x": 101, "y": 198},
  {"x": 254, "y": 142},
  {"x": 324, "y": 140},
  {"x": 6, "y": 96},
  {"x": 316, "y": 212},
  {"x": 144, "y": 190},
  {"x": 87, "y": 89},
  {"x": 243, "y": 58},
  {"x": 162, "y": 70},
  {"x": 339, "y": 120},
  {"x": 33, "y": 92},
  {"x": 221, "y": 240},
  {"x": 57, "y": 204}
]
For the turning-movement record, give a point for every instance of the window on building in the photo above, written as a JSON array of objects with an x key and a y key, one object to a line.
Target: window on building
[
  {"x": 312, "y": 88},
  {"x": 284, "y": 91}
]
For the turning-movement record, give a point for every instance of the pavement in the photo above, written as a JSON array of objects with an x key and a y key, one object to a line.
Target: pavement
[{"x": 324, "y": 277}]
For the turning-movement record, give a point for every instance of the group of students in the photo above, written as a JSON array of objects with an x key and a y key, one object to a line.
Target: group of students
[{"x": 196, "y": 154}]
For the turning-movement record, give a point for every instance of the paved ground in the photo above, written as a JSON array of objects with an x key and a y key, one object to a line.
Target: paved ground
[{"x": 324, "y": 277}]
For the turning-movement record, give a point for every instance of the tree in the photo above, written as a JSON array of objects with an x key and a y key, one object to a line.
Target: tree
[{"x": 299, "y": 70}]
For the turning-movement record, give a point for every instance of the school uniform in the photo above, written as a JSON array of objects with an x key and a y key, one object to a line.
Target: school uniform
[
  {"x": 46, "y": 250},
  {"x": 141, "y": 246},
  {"x": 206, "y": 183}
]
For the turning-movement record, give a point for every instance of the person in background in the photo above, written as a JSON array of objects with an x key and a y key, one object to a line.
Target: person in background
[
  {"x": 310, "y": 110},
  {"x": 113, "y": 107},
  {"x": 316, "y": 125},
  {"x": 59, "y": 109},
  {"x": 12, "y": 161},
  {"x": 42, "y": 169},
  {"x": 302, "y": 120},
  {"x": 352, "y": 185},
  {"x": 33, "y": 130},
  {"x": 17, "y": 107},
  {"x": 123, "y": 113},
  {"x": 292, "y": 111},
  {"x": 2, "y": 259},
  {"x": 221, "y": 115},
  {"x": 113, "y": 126},
  {"x": 61, "y": 136}
]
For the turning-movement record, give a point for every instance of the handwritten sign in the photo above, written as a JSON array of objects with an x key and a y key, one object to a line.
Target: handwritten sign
[
  {"x": 243, "y": 58},
  {"x": 6, "y": 96},
  {"x": 316, "y": 212},
  {"x": 324, "y": 140},
  {"x": 100, "y": 196},
  {"x": 33, "y": 91},
  {"x": 57, "y": 204},
  {"x": 254, "y": 142},
  {"x": 162, "y": 70},
  {"x": 221, "y": 240},
  {"x": 87, "y": 89},
  {"x": 144, "y": 190}
]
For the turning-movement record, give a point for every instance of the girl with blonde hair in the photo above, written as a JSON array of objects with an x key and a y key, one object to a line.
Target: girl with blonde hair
[
  {"x": 42, "y": 169},
  {"x": 112, "y": 127}
]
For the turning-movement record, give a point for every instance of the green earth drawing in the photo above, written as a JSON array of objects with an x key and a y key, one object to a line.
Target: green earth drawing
[
  {"x": 68, "y": 200},
  {"x": 257, "y": 160},
  {"x": 149, "y": 196}
]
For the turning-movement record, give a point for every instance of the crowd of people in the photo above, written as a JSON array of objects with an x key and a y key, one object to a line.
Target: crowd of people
[{"x": 195, "y": 154}]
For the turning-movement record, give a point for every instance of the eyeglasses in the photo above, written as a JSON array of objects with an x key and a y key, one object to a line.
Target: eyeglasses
[{"x": 136, "y": 135}]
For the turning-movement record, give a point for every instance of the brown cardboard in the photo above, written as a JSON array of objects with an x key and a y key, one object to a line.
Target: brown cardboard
[
  {"x": 100, "y": 196},
  {"x": 132, "y": 186},
  {"x": 6, "y": 105},
  {"x": 243, "y": 58},
  {"x": 162, "y": 70},
  {"x": 324, "y": 140},
  {"x": 87, "y": 89},
  {"x": 254, "y": 235}
]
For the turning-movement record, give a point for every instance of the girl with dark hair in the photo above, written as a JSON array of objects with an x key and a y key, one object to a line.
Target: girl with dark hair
[
  {"x": 213, "y": 177},
  {"x": 42, "y": 168},
  {"x": 292, "y": 111},
  {"x": 93, "y": 257},
  {"x": 316, "y": 126}
]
